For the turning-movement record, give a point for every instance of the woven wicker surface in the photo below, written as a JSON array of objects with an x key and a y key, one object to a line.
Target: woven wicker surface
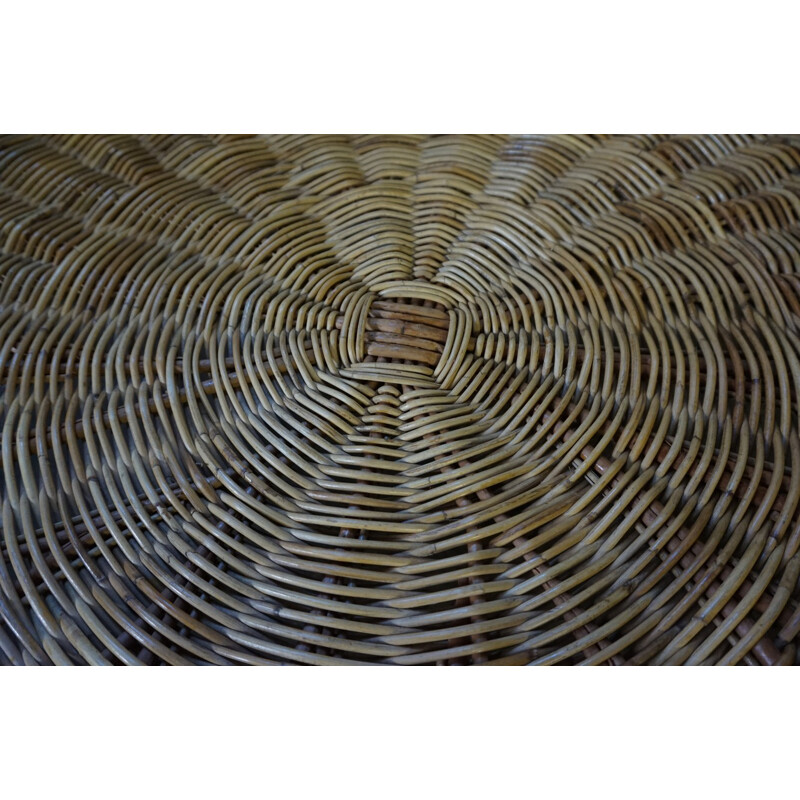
[{"x": 399, "y": 400}]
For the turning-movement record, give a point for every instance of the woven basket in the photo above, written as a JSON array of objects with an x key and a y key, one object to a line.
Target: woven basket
[{"x": 404, "y": 400}]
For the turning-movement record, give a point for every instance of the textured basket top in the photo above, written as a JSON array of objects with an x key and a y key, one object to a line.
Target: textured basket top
[{"x": 408, "y": 400}]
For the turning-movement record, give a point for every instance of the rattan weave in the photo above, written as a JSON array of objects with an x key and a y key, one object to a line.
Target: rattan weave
[{"x": 405, "y": 400}]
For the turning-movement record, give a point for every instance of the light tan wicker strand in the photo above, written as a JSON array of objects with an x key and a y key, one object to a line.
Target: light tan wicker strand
[{"x": 399, "y": 400}]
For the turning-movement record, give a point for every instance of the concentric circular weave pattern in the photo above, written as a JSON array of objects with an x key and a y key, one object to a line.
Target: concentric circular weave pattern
[{"x": 408, "y": 400}]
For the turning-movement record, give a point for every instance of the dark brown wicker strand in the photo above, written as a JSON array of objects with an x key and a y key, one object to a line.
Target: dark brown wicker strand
[{"x": 399, "y": 400}]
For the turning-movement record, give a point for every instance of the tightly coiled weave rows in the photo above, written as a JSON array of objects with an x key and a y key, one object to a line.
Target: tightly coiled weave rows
[{"x": 406, "y": 400}]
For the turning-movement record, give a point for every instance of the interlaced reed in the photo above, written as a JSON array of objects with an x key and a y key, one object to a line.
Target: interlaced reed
[{"x": 399, "y": 400}]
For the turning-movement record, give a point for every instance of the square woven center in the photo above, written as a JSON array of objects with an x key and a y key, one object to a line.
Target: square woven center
[{"x": 406, "y": 331}]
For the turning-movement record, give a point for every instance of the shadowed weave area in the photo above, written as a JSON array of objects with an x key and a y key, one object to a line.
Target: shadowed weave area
[{"x": 405, "y": 400}]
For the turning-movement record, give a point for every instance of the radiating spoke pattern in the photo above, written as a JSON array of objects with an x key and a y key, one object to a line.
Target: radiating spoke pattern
[{"x": 399, "y": 400}]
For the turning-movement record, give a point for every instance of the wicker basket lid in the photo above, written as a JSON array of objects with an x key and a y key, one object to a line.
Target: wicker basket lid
[{"x": 407, "y": 400}]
